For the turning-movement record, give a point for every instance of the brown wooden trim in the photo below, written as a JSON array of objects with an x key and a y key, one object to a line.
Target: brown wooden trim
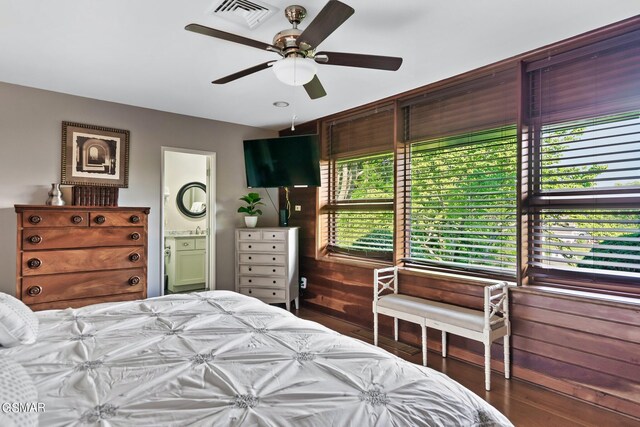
[
  {"x": 22, "y": 208},
  {"x": 18, "y": 256},
  {"x": 353, "y": 261},
  {"x": 572, "y": 297},
  {"x": 522, "y": 174}
]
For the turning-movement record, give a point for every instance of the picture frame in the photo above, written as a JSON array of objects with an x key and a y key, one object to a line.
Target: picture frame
[{"x": 94, "y": 155}]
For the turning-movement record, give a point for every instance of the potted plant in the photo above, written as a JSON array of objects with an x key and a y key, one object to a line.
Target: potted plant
[{"x": 252, "y": 200}]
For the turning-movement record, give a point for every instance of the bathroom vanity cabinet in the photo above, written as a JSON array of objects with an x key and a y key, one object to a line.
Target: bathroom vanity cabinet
[{"x": 185, "y": 262}]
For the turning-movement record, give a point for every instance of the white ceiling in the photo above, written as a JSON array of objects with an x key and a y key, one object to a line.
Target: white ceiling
[{"x": 137, "y": 52}]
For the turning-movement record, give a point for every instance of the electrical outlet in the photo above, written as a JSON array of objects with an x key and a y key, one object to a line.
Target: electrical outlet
[
  {"x": 297, "y": 208},
  {"x": 303, "y": 283}
]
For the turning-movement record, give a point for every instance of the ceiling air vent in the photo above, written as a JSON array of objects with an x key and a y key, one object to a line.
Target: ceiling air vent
[{"x": 250, "y": 13}]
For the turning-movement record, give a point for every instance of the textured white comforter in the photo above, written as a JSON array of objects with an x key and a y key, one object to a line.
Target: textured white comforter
[{"x": 222, "y": 359}]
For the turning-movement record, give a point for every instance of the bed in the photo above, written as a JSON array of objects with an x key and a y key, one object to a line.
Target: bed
[{"x": 219, "y": 358}]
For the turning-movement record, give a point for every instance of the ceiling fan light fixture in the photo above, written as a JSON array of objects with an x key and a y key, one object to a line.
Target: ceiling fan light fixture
[{"x": 295, "y": 71}]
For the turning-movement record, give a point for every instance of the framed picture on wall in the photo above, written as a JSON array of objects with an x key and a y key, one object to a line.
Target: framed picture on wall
[{"x": 94, "y": 155}]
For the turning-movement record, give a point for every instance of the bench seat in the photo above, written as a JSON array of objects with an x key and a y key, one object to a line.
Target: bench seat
[
  {"x": 486, "y": 325},
  {"x": 437, "y": 311}
]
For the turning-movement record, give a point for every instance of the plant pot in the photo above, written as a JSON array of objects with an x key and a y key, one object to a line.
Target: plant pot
[{"x": 250, "y": 221}]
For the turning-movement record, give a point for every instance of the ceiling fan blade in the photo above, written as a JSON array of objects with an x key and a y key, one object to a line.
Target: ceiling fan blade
[
  {"x": 390, "y": 63},
  {"x": 332, "y": 15},
  {"x": 211, "y": 32},
  {"x": 314, "y": 88},
  {"x": 239, "y": 74}
]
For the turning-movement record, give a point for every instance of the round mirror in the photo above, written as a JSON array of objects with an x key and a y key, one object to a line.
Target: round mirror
[{"x": 192, "y": 199}]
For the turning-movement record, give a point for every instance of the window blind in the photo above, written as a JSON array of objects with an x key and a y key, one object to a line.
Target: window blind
[
  {"x": 460, "y": 174},
  {"x": 584, "y": 203},
  {"x": 360, "y": 178}
]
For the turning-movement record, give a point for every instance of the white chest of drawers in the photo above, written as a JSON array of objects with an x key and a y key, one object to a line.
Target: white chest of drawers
[{"x": 267, "y": 264}]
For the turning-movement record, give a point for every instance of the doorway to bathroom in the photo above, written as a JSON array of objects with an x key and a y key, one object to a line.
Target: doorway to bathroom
[{"x": 188, "y": 220}]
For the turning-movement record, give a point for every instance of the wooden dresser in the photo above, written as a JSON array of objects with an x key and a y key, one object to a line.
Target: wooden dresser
[
  {"x": 267, "y": 264},
  {"x": 72, "y": 256}
]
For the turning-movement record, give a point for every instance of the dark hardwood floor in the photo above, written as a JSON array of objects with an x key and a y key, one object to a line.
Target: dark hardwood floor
[{"x": 525, "y": 404}]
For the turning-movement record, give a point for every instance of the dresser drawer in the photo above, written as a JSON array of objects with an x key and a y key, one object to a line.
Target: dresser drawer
[
  {"x": 250, "y": 235},
  {"x": 185, "y": 244},
  {"x": 264, "y": 293},
  {"x": 276, "y": 259},
  {"x": 263, "y": 270},
  {"x": 262, "y": 281},
  {"x": 117, "y": 219},
  {"x": 274, "y": 235},
  {"x": 46, "y": 218},
  {"x": 262, "y": 247},
  {"x": 77, "y": 260},
  {"x": 61, "y": 238},
  {"x": 47, "y": 288}
]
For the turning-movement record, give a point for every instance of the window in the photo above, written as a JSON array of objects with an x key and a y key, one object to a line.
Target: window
[
  {"x": 522, "y": 170},
  {"x": 584, "y": 162},
  {"x": 461, "y": 174},
  {"x": 359, "y": 174},
  {"x": 463, "y": 202}
]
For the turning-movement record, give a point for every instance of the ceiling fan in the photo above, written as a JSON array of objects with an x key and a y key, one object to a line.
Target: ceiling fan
[{"x": 297, "y": 49}]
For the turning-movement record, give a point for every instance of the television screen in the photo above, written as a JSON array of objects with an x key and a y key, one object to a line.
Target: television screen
[{"x": 282, "y": 162}]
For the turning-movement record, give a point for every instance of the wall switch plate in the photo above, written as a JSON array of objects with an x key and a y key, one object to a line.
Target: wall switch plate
[
  {"x": 297, "y": 208},
  {"x": 303, "y": 283}
]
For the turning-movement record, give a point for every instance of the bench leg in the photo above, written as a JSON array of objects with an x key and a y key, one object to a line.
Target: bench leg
[
  {"x": 375, "y": 329},
  {"x": 444, "y": 344},
  {"x": 395, "y": 328},
  {"x": 424, "y": 345},
  {"x": 507, "y": 362},
  {"x": 487, "y": 365}
]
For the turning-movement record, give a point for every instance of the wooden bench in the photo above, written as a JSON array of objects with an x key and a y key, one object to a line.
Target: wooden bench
[{"x": 485, "y": 326}]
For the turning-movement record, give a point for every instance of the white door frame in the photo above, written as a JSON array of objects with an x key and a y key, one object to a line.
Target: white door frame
[{"x": 211, "y": 214}]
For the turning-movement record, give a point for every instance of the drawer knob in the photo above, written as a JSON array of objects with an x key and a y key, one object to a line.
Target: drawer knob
[
  {"x": 249, "y": 246},
  {"x": 273, "y": 246},
  {"x": 34, "y": 240},
  {"x": 34, "y": 263},
  {"x": 274, "y": 238},
  {"x": 185, "y": 244},
  {"x": 135, "y": 236},
  {"x": 274, "y": 281},
  {"x": 34, "y": 290},
  {"x": 274, "y": 258},
  {"x": 134, "y": 257},
  {"x": 250, "y": 269},
  {"x": 250, "y": 258},
  {"x": 134, "y": 280},
  {"x": 35, "y": 219},
  {"x": 249, "y": 290},
  {"x": 76, "y": 219},
  {"x": 274, "y": 270},
  {"x": 249, "y": 280},
  {"x": 134, "y": 219},
  {"x": 100, "y": 219},
  {"x": 249, "y": 234},
  {"x": 274, "y": 294}
]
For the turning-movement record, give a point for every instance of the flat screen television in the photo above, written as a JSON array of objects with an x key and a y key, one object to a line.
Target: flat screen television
[{"x": 282, "y": 162}]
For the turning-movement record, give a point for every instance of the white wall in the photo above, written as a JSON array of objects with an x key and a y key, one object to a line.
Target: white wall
[
  {"x": 30, "y": 146},
  {"x": 181, "y": 169}
]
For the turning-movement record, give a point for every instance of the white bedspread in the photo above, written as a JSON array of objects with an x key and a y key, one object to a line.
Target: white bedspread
[{"x": 222, "y": 359}]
